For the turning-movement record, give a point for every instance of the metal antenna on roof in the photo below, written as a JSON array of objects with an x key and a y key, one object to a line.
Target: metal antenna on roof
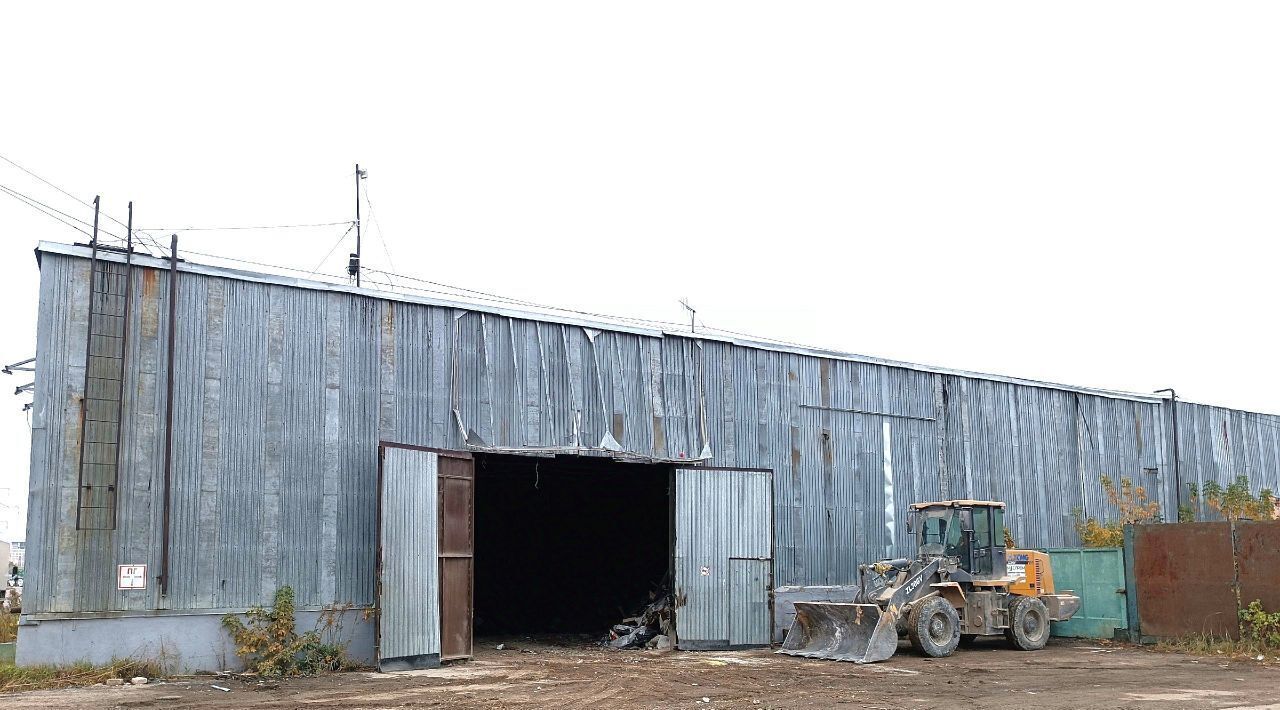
[
  {"x": 353, "y": 265},
  {"x": 693, "y": 314}
]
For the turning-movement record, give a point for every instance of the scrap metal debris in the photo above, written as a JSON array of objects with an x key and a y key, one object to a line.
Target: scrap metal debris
[{"x": 650, "y": 628}]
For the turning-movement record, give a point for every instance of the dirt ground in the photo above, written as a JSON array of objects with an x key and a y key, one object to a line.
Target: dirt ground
[{"x": 530, "y": 674}]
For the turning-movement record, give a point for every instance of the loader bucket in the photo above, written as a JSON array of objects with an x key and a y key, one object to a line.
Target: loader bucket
[{"x": 861, "y": 633}]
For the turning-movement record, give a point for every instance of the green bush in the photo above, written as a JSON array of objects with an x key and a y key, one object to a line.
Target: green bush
[{"x": 1260, "y": 626}]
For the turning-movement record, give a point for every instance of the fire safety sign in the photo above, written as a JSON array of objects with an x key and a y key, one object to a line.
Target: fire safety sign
[{"x": 131, "y": 576}]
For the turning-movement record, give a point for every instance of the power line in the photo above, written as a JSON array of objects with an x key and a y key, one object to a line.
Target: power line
[
  {"x": 68, "y": 194},
  {"x": 30, "y": 199},
  {"x": 227, "y": 229},
  {"x": 50, "y": 212}
]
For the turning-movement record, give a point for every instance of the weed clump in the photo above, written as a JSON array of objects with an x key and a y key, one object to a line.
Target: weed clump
[{"x": 270, "y": 645}]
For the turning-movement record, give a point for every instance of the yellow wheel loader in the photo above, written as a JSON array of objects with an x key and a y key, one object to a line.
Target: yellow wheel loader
[{"x": 962, "y": 584}]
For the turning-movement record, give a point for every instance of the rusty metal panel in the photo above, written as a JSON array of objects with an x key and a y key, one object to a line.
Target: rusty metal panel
[
  {"x": 456, "y": 551},
  {"x": 1183, "y": 575},
  {"x": 1258, "y": 544}
]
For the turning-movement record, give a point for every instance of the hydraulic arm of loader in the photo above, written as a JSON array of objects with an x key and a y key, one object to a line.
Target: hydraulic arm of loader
[{"x": 862, "y": 633}]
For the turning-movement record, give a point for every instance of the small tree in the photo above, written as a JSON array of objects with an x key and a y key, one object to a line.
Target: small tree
[
  {"x": 1133, "y": 505},
  {"x": 1234, "y": 503}
]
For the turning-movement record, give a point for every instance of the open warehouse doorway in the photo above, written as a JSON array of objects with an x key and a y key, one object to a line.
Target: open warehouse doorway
[
  {"x": 511, "y": 545},
  {"x": 568, "y": 544}
]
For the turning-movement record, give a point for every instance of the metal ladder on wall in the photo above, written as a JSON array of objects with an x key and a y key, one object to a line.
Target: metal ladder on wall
[{"x": 100, "y": 452}]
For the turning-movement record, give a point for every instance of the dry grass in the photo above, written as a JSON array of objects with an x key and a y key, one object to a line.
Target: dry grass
[
  {"x": 1225, "y": 646},
  {"x": 15, "y": 679},
  {"x": 8, "y": 627}
]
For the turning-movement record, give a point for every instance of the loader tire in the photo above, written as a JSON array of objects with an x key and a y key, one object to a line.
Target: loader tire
[
  {"x": 934, "y": 628},
  {"x": 1028, "y": 624}
]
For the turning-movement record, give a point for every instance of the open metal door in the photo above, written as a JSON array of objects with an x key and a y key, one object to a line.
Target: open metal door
[
  {"x": 457, "y": 553},
  {"x": 723, "y": 558},
  {"x": 426, "y": 542},
  {"x": 408, "y": 621}
]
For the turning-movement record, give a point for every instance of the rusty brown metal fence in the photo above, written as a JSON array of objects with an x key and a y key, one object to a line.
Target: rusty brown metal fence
[{"x": 1183, "y": 575}]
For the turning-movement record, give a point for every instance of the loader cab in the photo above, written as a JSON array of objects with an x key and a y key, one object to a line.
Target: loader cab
[{"x": 970, "y": 531}]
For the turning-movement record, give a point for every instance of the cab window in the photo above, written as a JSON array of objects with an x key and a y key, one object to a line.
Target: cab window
[
  {"x": 982, "y": 527},
  {"x": 997, "y": 527}
]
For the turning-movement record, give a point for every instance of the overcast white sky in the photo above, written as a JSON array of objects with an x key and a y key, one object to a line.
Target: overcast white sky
[{"x": 1079, "y": 192}]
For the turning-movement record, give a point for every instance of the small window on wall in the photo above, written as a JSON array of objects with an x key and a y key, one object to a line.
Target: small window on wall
[
  {"x": 1151, "y": 471},
  {"x": 997, "y": 526}
]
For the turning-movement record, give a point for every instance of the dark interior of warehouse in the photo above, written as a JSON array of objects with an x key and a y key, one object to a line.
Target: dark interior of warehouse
[{"x": 567, "y": 545}]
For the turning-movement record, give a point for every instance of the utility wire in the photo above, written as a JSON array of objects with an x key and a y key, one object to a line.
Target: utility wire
[
  {"x": 227, "y": 229},
  {"x": 49, "y": 211},
  {"x": 68, "y": 194},
  {"x": 373, "y": 222},
  {"x": 334, "y": 248}
]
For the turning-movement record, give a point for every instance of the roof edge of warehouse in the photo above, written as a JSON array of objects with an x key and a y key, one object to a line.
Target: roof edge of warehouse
[{"x": 533, "y": 315}]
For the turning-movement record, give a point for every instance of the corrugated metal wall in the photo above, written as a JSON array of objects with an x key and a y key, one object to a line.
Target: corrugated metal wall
[{"x": 282, "y": 394}]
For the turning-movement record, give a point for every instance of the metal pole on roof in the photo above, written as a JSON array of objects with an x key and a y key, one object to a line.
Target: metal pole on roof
[
  {"x": 354, "y": 267},
  {"x": 693, "y": 314}
]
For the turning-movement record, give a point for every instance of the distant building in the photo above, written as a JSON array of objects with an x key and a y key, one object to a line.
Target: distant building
[{"x": 13, "y": 515}]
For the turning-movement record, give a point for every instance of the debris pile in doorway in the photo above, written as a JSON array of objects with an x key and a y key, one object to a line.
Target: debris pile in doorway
[{"x": 651, "y": 628}]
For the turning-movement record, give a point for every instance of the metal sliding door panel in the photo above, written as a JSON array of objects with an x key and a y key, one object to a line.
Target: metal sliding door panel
[
  {"x": 723, "y": 557},
  {"x": 408, "y": 622},
  {"x": 749, "y": 617},
  {"x": 457, "y": 550}
]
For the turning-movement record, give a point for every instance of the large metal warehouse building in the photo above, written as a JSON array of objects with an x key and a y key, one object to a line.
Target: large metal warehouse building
[{"x": 468, "y": 468}]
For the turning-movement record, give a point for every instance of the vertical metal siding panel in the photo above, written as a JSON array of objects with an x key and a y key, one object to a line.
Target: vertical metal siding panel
[
  {"x": 302, "y": 492},
  {"x": 55, "y": 411},
  {"x": 268, "y": 553},
  {"x": 326, "y": 525},
  {"x": 410, "y": 603},
  {"x": 441, "y": 350},
  {"x": 651, "y": 364},
  {"x": 844, "y": 498},
  {"x": 414, "y": 388},
  {"x": 139, "y": 521},
  {"x": 677, "y": 386},
  {"x": 502, "y": 382},
  {"x": 525, "y": 344},
  {"x": 557, "y": 423},
  {"x": 236, "y": 579},
  {"x": 358, "y": 452},
  {"x": 746, "y": 422},
  {"x": 192, "y": 541}
]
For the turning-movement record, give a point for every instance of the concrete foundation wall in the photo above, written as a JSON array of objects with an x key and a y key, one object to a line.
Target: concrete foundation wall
[{"x": 181, "y": 643}]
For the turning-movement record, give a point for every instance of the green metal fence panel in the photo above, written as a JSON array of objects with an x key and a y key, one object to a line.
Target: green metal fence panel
[{"x": 1096, "y": 575}]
